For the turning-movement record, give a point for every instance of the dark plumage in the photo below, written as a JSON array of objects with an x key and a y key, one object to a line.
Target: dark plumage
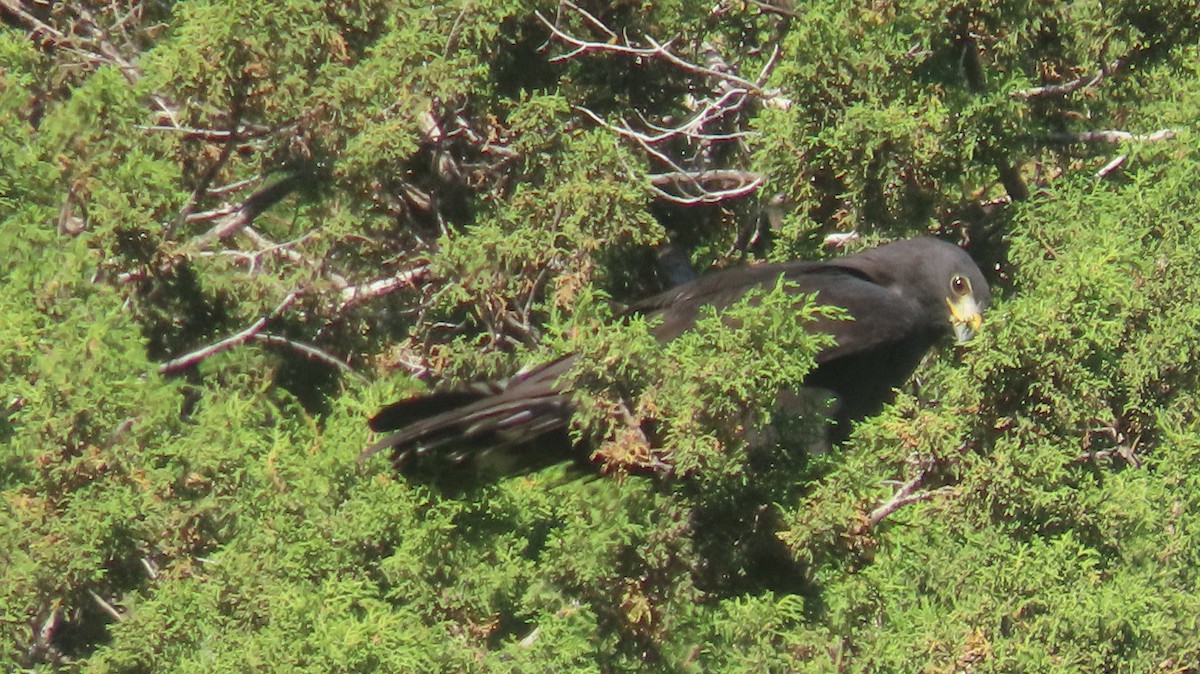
[{"x": 903, "y": 297}]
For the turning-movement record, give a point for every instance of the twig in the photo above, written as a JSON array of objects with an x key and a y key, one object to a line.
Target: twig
[
  {"x": 151, "y": 568},
  {"x": 705, "y": 126},
  {"x": 232, "y": 187},
  {"x": 221, "y": 211},
  {"x": 286, "y": 250},
  {"x": 596, "y": 23},
  {"x": 730, "y": 100},
  {"x": 763, "y": 73},
  {"x": 656, "y": 50},
  {"x": 1122, "y": 446},
  {"x": 1066, "y": 88},
  {"x": 308, "y": 350},
  {"x": 781, "y": 8},
  {"x": 689, "y": 128},
  {"x": 702, "y": 70},
  {"x": 354, "y": 294},
  {"x": 904, "y": 496},
  {"x": 244, "y": 131},
  {"x": 265, "y": 247},
  {"x": 99, "y": 40},
  {"x": 34, "y": 24},
  {"x": 105, "y": 606},
  {"x": 256, "y": 327},
  {"x": 1125, "y": 452},
  {"x": 839, "y": 239},
  {"x": 1110, "y": 136},
  {"x": 258, "y": 201},
  {"x": 751, "y": 183},
  {"x": 1111, "y": 166}
]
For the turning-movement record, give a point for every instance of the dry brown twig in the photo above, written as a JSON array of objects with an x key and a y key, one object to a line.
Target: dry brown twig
[
  {"x": 910, "y": 491},
  {"x": 656, "y": 50},
  {"x": 91, "y": 40},
  {"x": 907, "y": 493},
  {"x": 188, "y": 359},
  {"x": 264, "y": 247},
  {"x": 704, "y": 127},
  {"x": 1069, "y": 87},
  {"x": 678, "y": 176},
  {"x": 1123, "y": 446}
]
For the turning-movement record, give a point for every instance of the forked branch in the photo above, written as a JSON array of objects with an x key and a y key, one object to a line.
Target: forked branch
[
  {"x": 716, "y": 119},
  {"x": 253, "y": 329}
]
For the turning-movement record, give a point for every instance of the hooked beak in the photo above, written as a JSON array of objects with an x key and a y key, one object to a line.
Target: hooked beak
[{"x": 965, "y": 316}]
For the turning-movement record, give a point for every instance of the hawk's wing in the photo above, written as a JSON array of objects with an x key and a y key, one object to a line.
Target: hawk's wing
[{"x": 876, "y": 314}]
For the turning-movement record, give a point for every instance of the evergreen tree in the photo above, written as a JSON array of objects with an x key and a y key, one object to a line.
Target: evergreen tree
[{"x": 231, "y": 231}]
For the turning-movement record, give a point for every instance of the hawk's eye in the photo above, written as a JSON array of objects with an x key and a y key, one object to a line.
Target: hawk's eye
[{"x": 960, "y": 285}]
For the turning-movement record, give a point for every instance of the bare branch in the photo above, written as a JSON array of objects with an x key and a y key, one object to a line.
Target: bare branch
[
  {"x": 151, "y": 568},
  {"x": 744, "y": 182},
  {"x": 596, "y": 23},
  {"x": 258, "y": 201},
  {"x": 265, "y": 247},
  {"x": 906, "y": 494},
  {"x": 354, "y": 294},
  {"x": 1111, "y": 136},
  {"x": 1111, "y": 166},
  {"x": 730, "y": 100},
  {"x": 233, "y": 186},
  {"x": 735, "y": 176},
  {"x": 98, "y": 40},
  {"x": 655, "y": 50},
  {"x": 287, "y": 251},
  {"x": 702, "y": 70},
  {"x": 781, "y": 7},
  {"x": 711, "y": 121},
  {"x": 1126, "y": 453},
  {"x": 243, "y": 131},
  {"x": 215, "y": 214},
  {"x": 35, "y": 25},
  {"x": 231, "y": 223},
  {"x": 581, "y": 45},
  {"x": 765, "y": 72},
  {"x": 308, "y": 350},
  {"x": 256, "y": 327},
  {"x": 839, "y": 239},
  {"x": 1067, "y": 88},
  {"x": 105, "y": 606},
  {"x": 1123, "y": 446},
  {"x": 230, "y": 143}
]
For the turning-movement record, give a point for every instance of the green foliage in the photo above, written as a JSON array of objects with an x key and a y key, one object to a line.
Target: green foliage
[
  {"x": 554, "y": 230},
  {"x": 1028, "y": 504},
  {"x": 735, "y": 363}
]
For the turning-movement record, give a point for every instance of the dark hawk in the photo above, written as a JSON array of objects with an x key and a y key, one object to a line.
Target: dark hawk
[{"x": 901, "y": 299}]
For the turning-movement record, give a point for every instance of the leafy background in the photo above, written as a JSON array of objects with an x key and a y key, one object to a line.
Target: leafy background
[{"x": 233, "y": 230}]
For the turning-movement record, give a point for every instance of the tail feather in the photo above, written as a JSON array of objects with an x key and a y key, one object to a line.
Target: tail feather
[
  {"x": 405, "y": 412},
  {"x": 460, "y": 424}
]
